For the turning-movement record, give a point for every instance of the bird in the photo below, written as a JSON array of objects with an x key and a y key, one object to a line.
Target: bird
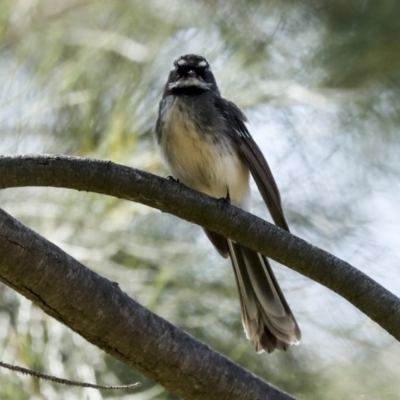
[{"x": 204, "y": 142}]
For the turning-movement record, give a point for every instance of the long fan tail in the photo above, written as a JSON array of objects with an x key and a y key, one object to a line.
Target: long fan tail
[{"x": 267, "y": 318}]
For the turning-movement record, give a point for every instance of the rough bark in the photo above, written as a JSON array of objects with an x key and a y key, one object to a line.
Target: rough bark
[
  {"x": 127, "y": 183},
  {"x": 98, "y": 310}
]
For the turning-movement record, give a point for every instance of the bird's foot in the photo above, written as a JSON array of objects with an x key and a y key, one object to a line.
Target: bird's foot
[
  {"x": 171, "y": 178},
  {"x": 227, "y": 199}
]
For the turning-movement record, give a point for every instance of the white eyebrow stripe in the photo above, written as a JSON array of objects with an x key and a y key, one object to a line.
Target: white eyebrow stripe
[
  {"x": 181, "y": 62},
  {"x": 203, "y": 64}
]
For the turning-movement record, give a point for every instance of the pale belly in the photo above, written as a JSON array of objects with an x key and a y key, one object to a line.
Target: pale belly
[{"x": 202, "y": 164}]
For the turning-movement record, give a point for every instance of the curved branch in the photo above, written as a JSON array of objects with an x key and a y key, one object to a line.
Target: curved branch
[
  {"x": 130, "y": 184},
  {"x": 99, "y": 311}
]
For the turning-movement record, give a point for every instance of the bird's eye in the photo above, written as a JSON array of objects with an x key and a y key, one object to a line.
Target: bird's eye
[
  {"x": 182, "y": 69},
  {"x": 201, "y": 70}
]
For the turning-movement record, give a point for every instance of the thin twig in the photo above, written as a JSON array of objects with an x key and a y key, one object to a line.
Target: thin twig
[{"x": 67, "y": 382}]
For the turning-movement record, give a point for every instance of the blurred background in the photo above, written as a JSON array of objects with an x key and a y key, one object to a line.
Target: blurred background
[{"x": 320, "y": 83}]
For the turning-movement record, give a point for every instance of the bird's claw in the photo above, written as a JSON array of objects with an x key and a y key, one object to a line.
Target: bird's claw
[
  {"x": 226, "y": 199},
  {"x": 171, "y": 178}
]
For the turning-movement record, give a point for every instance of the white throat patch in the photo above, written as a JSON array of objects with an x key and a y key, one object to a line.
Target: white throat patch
[{"x": 192, "y": 81}]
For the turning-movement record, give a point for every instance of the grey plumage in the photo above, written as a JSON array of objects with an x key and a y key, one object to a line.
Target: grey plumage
[{"x": 204, "y": 142}]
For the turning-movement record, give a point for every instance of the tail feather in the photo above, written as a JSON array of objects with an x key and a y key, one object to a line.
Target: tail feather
[{"x": 267, "y": 318}]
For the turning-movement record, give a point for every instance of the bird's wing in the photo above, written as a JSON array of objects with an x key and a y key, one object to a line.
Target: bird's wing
[{"x": 254, "y": 158}]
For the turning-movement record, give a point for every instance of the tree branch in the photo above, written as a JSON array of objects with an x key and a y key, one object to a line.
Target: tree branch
[
  {"x": 99, "y": 311},
  {"x": 130, "y": 184}
]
